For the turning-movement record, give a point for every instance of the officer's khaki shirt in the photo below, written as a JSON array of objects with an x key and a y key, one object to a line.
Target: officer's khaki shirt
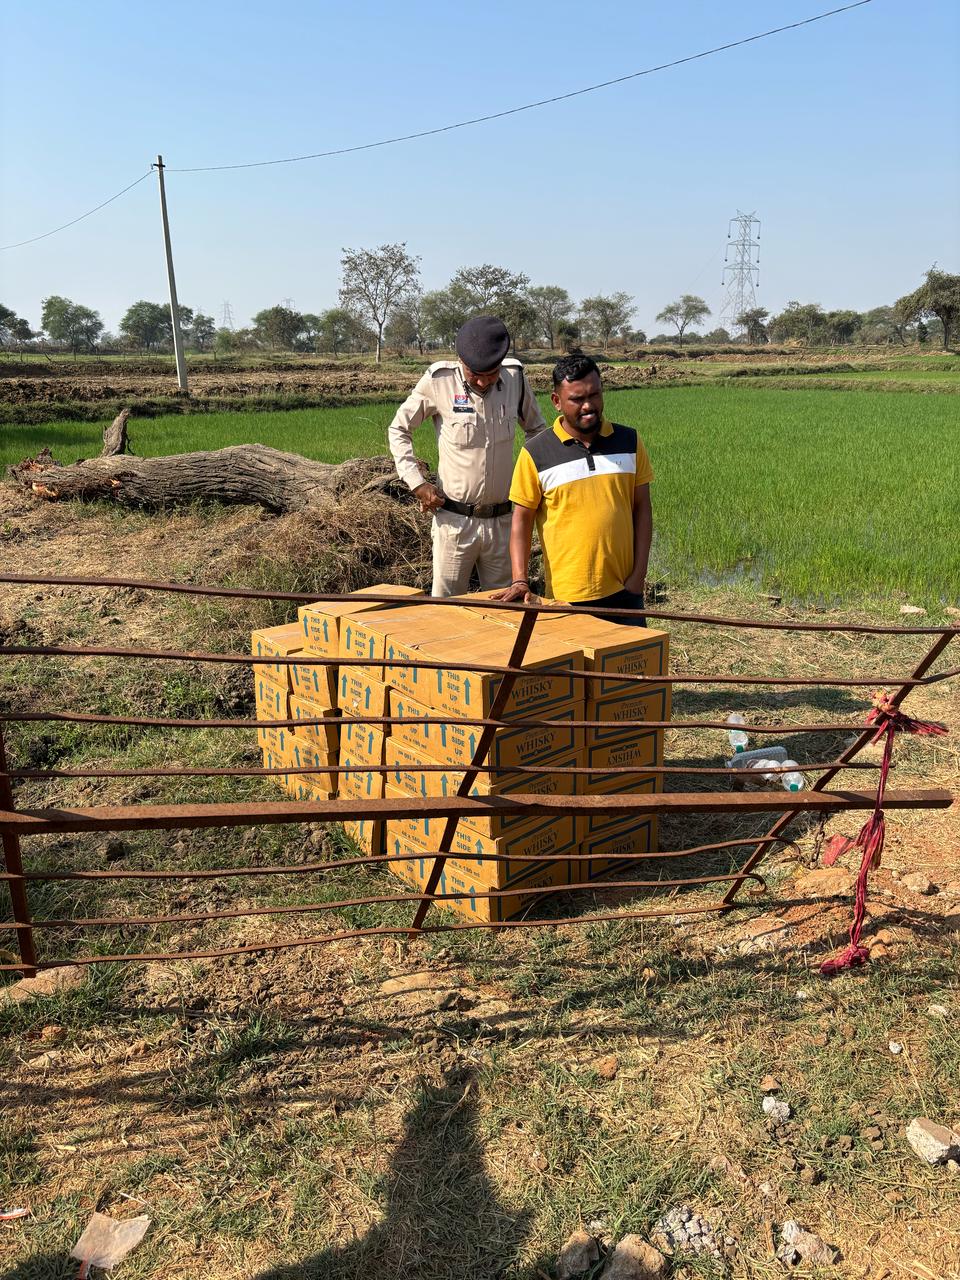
[{"x": 475, "y": 431}]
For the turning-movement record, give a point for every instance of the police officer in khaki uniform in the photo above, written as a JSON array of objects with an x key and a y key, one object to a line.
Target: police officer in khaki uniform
[{"x": 475, "y": 403}]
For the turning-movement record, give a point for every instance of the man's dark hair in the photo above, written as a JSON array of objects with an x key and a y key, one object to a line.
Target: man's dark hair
[{"x": 574, "y": 368}]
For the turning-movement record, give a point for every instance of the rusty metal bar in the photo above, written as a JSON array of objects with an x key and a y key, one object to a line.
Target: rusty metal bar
[
  {"x": 497, "y": 708},
  {"x": 161, "y": 722},
  {"x": 374, "y": 861},
  {"x": 865, "y": 737},
  {"x": 737, "y": 775},
  {"x": 300, "y": 597},
  {"x": 26, "y": 822},
  {"x": 425, "y": 664},
  {"x": 385, "y": 931},
  {"x": 13, "y": 869},
  {"x": 415, "y": 895}
]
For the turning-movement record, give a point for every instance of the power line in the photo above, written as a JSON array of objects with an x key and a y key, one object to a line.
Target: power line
[
  {"x": 73, "y": 222},
  {"x": 529, "y": 106}
]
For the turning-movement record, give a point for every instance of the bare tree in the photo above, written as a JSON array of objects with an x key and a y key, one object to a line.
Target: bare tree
[{"x": 376, "y": 281}]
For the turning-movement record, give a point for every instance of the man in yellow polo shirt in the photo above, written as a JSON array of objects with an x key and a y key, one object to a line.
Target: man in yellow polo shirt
[{"x": 585, "y": 483}]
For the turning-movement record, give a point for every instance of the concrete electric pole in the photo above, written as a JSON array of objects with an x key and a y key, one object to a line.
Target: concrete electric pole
[{"x": 171, "y": 280}]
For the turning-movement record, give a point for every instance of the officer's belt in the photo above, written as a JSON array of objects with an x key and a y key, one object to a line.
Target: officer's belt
[{"x": 485, "y": 510}]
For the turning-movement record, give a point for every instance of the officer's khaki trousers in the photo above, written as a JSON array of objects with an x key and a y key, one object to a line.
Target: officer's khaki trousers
[{"x": 462, "y": 542}]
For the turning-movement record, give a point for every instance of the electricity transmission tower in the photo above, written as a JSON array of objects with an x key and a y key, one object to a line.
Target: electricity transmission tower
[
  {"x": 741, "y": 272},
  {"x": 226, "y": 317}
]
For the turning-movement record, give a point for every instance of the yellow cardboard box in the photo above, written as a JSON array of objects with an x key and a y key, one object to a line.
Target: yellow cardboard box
[
  {"x": 611, "y": 649},
  {"x": 640, "y": 747},
  {"x": 483, "y": 856},
  {"x": 469, "y": 901},
  {"x": 615, "y": 708},
  {"x": 594, "y": 823},
  {"x": 276, "y": 642},
  {"x": 367, "y": 834},
  {"x": 371, "y": 635},
  {"x": 606, "y": 852},
  {"x": 319, "y": 684},
  {"x": 459, "y": 690},
  {"x": 456, "y": 743},
  {"x": 360, "y": 694},
  {"x": 409, "y": 776},
  {"x": 303, "y": 787},
  {"x": 274, "y": 740},
  {"x": 272, "y": 699},
  {"x": 321, "y": 623},
  {"x": 362, "y": 742},
  {"x": 271, "y": 760},
  {"x": 303, "y": 753},
  {"x": 327, "y": 733},
  {"x": 357, "y": 782}
]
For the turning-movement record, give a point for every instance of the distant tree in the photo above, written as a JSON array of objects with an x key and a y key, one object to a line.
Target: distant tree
[
  {"x": 7, "y": 318},
  {"x": 882, "y": 325},
  {"x": 400, "y": 333},
  {"x": 146, "y": 325},
  {"x": 202, "y": 330},
  {"x": 842, "y": 325},
  {"x": 375, "y": 282},
  {"x": 938, "y": 296},
  {"x": 754, "y": 325},
  {"x": 799, "y": 322},
  {"x": 486, "y": 289},
  {"x": 719, "y": 337},
  {"x": 442, "y": 315},
  {"x": 340, "y": 330},
  {"x": 567, "y": 335},
  {"x": 21, "y": 332},
  {"x": 602, "y": 317},
  {"x": 551, "y": 304},
  {"x": 519, "y": 315},
  {"x": 70, "y": 323},
  {"x": 277, "y": 328},
  {"x": 688, "y": 310}
]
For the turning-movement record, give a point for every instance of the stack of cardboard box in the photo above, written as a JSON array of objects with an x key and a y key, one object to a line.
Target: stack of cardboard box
[
  {"x": 308, "y": 691},
  {"x": 487, "y": 853}
]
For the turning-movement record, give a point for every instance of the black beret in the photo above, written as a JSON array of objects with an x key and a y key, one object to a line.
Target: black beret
[{"x": 482, "y": 343}]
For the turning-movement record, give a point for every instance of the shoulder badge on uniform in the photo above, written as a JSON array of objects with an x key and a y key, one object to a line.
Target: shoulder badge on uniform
[{"x": 443, "y": 366}]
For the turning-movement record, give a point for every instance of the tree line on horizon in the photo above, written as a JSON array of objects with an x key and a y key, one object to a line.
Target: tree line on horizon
[{"x": 382, "y": 305}]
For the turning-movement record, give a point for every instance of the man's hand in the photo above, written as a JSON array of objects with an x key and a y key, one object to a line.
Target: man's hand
[
  {"x": 635, "y": 583},
  {"x": 516, "y": 591},
  {"x": 429, "y": 497}
]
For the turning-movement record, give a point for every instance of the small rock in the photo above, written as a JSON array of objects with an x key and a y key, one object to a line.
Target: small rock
[
  {"x": 765, "y": 1189},
  {"x": 43, "y": 1060},
  {"x": 798, "y": 1246},
  {"x": 917, "y": 882},
  {"x": 778, "y": 1110},
  {"x": 954, "y": 613},
  {"x": 895, "y": 1047},
  {"x": 769, "y": 1084},
  {"x": 410, "y": 982},
  {"x": 607, "y": 1068},
  {"x": 579, "y": 1253},
  {"x": 933, "y": 1143},
  {"x": 46, "y": 983},
  {"x": 766, "y": 933},
  {"x": 952, "y": 890},
  {"x": 912, "y": 608},
  {"x": 879, "y": 952},
  {"x": 845, "y": 1142},
  {"x": 938, "y": 1011},
  {"x": 953, "y": 1166},
  {"x": 634, "y": 1259},
  {"x": 826, "y": 882}
]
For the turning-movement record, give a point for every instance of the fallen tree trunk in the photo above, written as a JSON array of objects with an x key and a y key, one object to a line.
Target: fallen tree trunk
[{"x": 248, "y": 473}]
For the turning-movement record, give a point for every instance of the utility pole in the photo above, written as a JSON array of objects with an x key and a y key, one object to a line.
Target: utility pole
[
  {"x": 741, "y": 275},
  {"x": 171, "y": 280}
]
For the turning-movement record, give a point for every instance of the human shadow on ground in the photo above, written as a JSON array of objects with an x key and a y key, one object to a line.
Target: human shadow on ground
[{"x": 441, "y": 1218}]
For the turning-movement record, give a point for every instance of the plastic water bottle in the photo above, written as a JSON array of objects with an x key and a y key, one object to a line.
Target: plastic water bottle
[
  {"x": 794, "y": 780},
  {"x": 738, "y": 739},
  {"x": 745, "y": 759},
  {"x": 764, "y": 768}
]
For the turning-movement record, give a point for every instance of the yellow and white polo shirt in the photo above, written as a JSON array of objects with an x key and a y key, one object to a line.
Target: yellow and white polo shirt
[{"x": 583, "y": 497}]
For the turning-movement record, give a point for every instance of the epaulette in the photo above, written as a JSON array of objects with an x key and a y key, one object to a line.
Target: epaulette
[
  {"x": 511, "y": 362},
  {"x": 442, "y": 366}
]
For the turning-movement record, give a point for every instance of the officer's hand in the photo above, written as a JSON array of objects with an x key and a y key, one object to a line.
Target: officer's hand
[
  {"x": 516, "y": 591},
  {"x": 429, "y": 496}
]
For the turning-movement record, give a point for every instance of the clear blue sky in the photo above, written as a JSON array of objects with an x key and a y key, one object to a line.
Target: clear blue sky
[{"x": 842, "y": 136}]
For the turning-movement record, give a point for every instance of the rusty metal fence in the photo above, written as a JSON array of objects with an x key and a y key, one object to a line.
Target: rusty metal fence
[{"x": 18, "y": 824}]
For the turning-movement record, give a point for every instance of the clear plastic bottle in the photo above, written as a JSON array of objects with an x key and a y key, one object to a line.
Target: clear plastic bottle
[
  {"x": 745, "y": 759},
  {"x": 794, "y": 780},
  {"x": 738, "y": 739}
]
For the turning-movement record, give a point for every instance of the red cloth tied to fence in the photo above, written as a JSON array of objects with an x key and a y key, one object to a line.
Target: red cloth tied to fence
[{"x": 890, "y": 720}]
